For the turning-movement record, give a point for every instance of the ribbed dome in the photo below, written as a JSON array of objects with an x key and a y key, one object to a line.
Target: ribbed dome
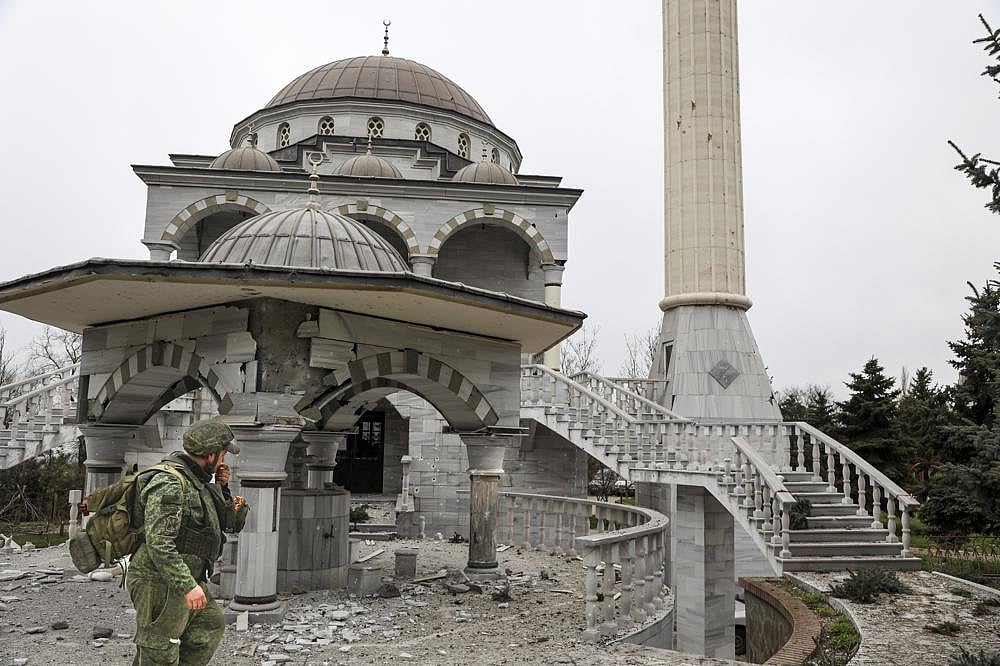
[
  {"x": 367, "y": 165},
  {"x": 245, "y": 158},
  {"x": 486, "y": 173},
  {"x": 381, "y": 77},
  {"x": 305, "y": 238}
]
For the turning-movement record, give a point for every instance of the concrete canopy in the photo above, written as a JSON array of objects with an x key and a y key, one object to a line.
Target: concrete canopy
[{"x": 102, "y": 291}]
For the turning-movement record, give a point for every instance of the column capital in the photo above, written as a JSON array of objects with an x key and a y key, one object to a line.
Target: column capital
[
  {"x": 322, "y": 447},
  {"x": 423, "y": 264},
  {"x": 485, "y": 452},
  {"x": 160, "y": 250},
  {"x": 106, "y": 443},
  {"x": 552, "y": 274},
  {"x": 263, "y": 450}
]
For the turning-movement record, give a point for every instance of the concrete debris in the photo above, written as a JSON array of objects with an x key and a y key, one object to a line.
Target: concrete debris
[
  {"x": 20, "y": 661},
  {"x": 103, "y": 632},
  {"x": 102, "y": 576},
  {"x": 60, "y": 625},
  {"x": 8, "y": 545},
  {"x": 243, "y": 621},
  {"x": 35, "y": 630},
  {"x": 27, "y": 547},
  {"x": 388, "y": 590},
  {"x": 456, "y": 588},
  {"x": 7, "y": 575}
]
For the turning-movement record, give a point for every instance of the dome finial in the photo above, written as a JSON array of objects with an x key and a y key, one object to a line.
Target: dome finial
[
  {"x": 485, "y": 149},
  {"x": 385, "y": 39},
  {"x": 369, "y": 150},
  {"x": 314, "y": 160},
  {"x": 251, "y": 137}
]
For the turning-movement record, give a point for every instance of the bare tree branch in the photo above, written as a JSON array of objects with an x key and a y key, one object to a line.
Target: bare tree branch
[
  {"x": 53, "y": 348},
  {"x": 640, "y": 353},
  {"x": 579, "y": 352}
]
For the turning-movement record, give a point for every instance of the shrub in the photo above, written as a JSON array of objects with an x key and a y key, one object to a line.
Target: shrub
[
  {"x": 843, "y": 635},
  {"x": 966, "y": 658},
  {"x": 863, "y": 586},
  {"x": 359, "y": 514},
  {"x": 946, "y": 628},
  {"x": 798, "y": 514}
]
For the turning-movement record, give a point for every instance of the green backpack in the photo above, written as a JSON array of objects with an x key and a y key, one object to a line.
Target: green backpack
[{"x": 113, "y": 531}]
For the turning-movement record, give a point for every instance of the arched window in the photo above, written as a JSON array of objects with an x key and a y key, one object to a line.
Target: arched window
[
  {"x": 463, "y": 145},
  {"x": 422, "y": 132},
  {"x": 284, "y": 135},
  {"x": 375, "y": 127},
  {"x": 495, "y": 156},
  {"x": 325, "y": 126}
]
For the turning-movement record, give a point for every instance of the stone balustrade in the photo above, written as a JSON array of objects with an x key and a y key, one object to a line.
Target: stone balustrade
[
  {"x": 637, "y": 397},
  {"x": 623, "y": 550},
  {"x": 32, "y": 407}
]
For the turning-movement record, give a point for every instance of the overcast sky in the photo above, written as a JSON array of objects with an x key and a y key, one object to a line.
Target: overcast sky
[{"x": 860, "y": 236}]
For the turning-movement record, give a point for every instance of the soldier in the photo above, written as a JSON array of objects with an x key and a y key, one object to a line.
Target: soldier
[{"x": 177, "y": 620}]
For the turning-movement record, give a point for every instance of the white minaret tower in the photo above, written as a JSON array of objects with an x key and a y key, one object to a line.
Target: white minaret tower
[{"x": 707, "y": 350}]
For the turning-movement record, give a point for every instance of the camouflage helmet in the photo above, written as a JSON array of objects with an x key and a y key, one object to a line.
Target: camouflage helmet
[{"x": 209, "y": 436}]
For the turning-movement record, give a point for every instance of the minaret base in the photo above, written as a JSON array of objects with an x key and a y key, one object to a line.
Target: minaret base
[{"x": 714, "y": 370}]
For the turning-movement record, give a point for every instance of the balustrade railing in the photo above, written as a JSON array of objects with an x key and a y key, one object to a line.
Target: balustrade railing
[
  {"x": 634, "y": 396},
  {"x": 30, "y": 407},
  {"x": 858, "y": 479},
  {"x": 623, "y": 550}
]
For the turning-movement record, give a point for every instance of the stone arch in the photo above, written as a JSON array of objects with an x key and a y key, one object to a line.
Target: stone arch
[
  {"x": 350, "y": 388},
  {"x": 360, "y": 210},
  {"x": 190, "y": 216},
  {"x": 152, "y": 377},
  {"x": 500, "y": 217}
]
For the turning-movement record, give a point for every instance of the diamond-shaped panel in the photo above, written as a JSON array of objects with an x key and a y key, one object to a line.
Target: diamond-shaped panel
[{"x": 724, "y": 373}]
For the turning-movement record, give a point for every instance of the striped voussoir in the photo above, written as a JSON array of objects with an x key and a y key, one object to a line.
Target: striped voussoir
[
  {"x": 160, "y": 355},
  {"x": 354, "y": 211},
  {"x": 391, "y": 369},
  {"x": 187, "y": 218},
  {"x": 506, "y": 218}
]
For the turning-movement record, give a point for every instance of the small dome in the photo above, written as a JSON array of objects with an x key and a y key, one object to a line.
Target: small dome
[
  {"x": 245, "y": 158},
  {"x": 382, "y": 78},
  {"x": 486, "y": 173},
  {"x": 305, "y": 238},
  {"x": 368, "y": 166}
]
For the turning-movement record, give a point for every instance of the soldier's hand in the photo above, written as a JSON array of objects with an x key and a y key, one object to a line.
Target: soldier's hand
[
  {"x": 196, "y": 599},
  {"x": 84, "y": 509},
  {"x": 222, "y": 474}
]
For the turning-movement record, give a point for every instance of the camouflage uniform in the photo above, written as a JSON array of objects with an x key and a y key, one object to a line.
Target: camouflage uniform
[{"x": 184, "y": 526}]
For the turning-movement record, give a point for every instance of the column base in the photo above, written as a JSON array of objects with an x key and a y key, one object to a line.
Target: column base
[
  {"x": 269, "y": 613},
  {"x": 485, "y": 575}
]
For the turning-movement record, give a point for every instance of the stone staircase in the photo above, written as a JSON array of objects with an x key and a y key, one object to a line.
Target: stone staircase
[
  {"x": 757, "y": 470},
  {"x": 37, "y": 415}
]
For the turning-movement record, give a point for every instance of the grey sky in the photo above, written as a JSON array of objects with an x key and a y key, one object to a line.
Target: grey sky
[{"x": 860, "y": 236}]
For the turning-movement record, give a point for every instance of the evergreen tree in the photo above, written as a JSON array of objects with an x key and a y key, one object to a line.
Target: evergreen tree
[
  {"x": 867, "y": 418},
  {"x": 923, "y": 418},
  {"x": 977, "y": 358},
  {"x": 821, "y": 412},
  {"x": 792, "y": 404},
  {"x": 984, "y": 173}
]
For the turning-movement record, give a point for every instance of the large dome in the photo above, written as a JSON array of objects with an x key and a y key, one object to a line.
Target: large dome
[
  {"x": 381, "y": 77},
  {"x": 305, "y": 238}
]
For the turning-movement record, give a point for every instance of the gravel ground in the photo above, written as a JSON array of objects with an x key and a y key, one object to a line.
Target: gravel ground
[
  {"x": 894, "y": 629},
  {"x": 426, "y": 624}
]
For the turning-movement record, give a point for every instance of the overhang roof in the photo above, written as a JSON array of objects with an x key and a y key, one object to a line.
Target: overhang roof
[{"x": 104, "y": 291}]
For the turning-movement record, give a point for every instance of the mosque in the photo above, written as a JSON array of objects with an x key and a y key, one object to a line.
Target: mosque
[{"x": 357, "y": 281}]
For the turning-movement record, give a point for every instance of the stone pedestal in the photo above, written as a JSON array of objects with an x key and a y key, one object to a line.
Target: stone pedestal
[
  {"x": 704, "y": 574},
  {"x": 261, "y": 469},
  {"x": 485, "y": 470},
  {"x": 321, "y": 450},
  {"x": 406, "y": 562},
  {"x": 106, "y": 446},
  {"x": 423, "y": 264},
  {"x": 364, "y": 579}
]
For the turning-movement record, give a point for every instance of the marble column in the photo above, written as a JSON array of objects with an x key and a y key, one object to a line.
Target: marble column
[
  {"x": 106, "y": 446},
  {"x": 423, "y": 264},
  {"x": 260, "y": 467},
  {"x": 705, "y": 572},
  {"x": 485, "y": 454},
  {"x": 321, "y": 451},
  {"x": 553, "y": 296}
]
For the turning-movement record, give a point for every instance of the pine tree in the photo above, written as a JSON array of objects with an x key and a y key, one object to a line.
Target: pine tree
[
  {"x": 821, "y": 412},
  {"x": 792, "y": 404},
  {"x": 867, "y": 418},
  {"x": 978, "y": 356},
  {"x": 982, "y": 172},
  {"x": 922, "y": 418}
]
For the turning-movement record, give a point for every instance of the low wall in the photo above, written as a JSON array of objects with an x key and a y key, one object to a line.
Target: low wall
[
  {"x": 780, "y": 628},
  {"x": 659, "y": 634}
]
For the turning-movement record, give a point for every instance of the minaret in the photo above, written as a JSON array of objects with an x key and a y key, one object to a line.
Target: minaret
[{"x": 707, "y": 350}]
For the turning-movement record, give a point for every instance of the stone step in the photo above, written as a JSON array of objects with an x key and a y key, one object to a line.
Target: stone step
[
  {"x": 844, "y": 548},
  {"x": 374, "y": 527},
  {"x": 791, "y": 477},
  {"x": 852, "y": 563},
  {"x": 866, "y": 534},
  {"x": 796, "y": 487},
  {"x": 844, "y": 522},
  {"x": 374, "y": 536},
  {"x": 835, "y": 510},
  {"x": 822, "y": 498}
]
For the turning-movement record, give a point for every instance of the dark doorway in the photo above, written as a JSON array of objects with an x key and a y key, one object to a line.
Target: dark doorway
[{"x": 359, "y": 467}]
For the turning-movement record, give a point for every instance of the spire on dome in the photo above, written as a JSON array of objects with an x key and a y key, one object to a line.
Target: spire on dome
[
  {"x": 385, "y": 39},
  {"x": 315, "y": 160}
]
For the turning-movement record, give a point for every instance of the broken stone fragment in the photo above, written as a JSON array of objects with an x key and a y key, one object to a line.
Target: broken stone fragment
[
  {"x": 60, "y": 625},
  {"x": 102, "y": 576},
  {"x": 103, "y": 632},
  {"x": 35, "y": 630},
  {"x": 456, "y": 588},
  {"x": 388, "y": 590}
]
